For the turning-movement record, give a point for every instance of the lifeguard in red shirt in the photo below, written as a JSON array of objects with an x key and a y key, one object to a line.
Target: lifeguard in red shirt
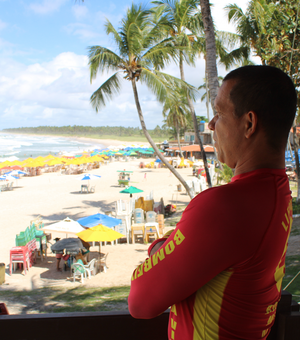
[{"x": 221, "y": 269}]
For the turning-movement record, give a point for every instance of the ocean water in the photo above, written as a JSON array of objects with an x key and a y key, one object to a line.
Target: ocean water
[{"x": 24, "y": 146}]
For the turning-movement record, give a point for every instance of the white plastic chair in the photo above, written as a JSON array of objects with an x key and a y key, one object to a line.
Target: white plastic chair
[
  {"x": 124, "y": 227},
  {"x": 78, "y": 270},
  {"x": 138, "y": 216},
  {"x": 90, "y": 267},
  {"x": 151, "y": 224},
  {"x": 103, "y": 262},
  {"x": 121, "y": 208}
]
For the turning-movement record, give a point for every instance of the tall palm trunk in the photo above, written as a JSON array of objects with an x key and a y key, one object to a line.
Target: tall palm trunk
[
  {"x": 296, "y": 147},
  {"x": 146, "y": 133},
  {"x": 198, "y": 139},
  {"x": 208, "y": 116},
  {"x": 178, "y": 140},
  {"x": 211, "y": 52}
]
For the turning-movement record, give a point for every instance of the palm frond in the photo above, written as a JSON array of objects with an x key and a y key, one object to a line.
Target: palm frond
[
  {"x": 109, "y": 28},
  {"x": 160, "y": 54},
  {"x": 105, "y": 92},
  {"x": 102, "y": 59},
  {"x": 164, "y": 85}
]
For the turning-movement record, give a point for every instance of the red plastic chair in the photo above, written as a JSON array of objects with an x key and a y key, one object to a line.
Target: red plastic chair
[{"x": 19, "y": 255}]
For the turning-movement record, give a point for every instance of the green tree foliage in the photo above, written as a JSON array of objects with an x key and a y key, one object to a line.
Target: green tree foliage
[
  {"x": 272, "y": 30},
  {"x": 142, "y": 51},
  {"x": 224, "y": 175},
  {"x": 86, "y": 131}
]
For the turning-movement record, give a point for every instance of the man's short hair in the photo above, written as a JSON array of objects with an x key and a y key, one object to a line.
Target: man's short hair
[{"x": 268, "y": 92}]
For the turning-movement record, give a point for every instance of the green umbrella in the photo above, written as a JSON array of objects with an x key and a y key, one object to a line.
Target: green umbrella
[{"x": 131, "y": 190}]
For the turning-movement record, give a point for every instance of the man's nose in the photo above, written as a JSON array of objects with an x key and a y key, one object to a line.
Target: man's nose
[{"x": 211, "y": 124}]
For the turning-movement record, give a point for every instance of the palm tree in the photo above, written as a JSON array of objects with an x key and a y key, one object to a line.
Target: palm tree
[
  {"x": 252, "y": 26},
  {"x": 211, "y": 52},
  {"x": 176, "y": 111},
  {"x": 184, "y": 18},
  {"x": 142, "y": 53}
]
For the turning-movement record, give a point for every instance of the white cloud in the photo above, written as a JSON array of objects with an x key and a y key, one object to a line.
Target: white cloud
[
  {"x": 79, "y": 11},
  {"x": 2, "y": 25},
  {"x": 47, "y": 6},
  {"x": 83, "y": 31}
]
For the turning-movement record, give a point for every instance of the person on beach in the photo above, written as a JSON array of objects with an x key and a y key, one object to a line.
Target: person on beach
[{"x": 221, "y": 269}]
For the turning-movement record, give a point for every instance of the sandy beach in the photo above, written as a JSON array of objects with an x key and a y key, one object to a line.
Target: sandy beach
[{"x": 54, "y": 197}]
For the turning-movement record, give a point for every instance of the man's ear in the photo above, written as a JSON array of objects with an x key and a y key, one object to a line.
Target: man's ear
[{"x": 251, "y": 124}]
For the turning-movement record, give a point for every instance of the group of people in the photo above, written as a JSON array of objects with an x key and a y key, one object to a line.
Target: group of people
[{"x": 221, "y": 269}]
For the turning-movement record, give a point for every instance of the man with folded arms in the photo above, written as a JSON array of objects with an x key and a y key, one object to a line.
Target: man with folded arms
[{"x": 221, "y": 269}]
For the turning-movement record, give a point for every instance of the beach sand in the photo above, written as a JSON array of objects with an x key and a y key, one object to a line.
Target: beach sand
[{"x": 54, "y": 197}]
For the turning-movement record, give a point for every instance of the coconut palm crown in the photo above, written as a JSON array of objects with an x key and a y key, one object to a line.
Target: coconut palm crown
[{"x": 142, "y": 53}]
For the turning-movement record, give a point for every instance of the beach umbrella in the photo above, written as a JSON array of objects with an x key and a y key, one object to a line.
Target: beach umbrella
[
  {"x": 93, "y": 220},
  {"x": 16, "y": 172},
  {"x": 12, "y": 167},
  {"x": 131, "y": 190},
  {"x": 67, "y": 226},
  {"x": 8, "y": 177},
  {"x": 99, "y": 233},
  {"x": 72, "y": 246},
  {"x": 53, "y": 161},
  {"x": 87, "y": 177}
]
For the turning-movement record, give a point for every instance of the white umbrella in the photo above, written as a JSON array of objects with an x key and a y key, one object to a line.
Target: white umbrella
[
  {"x": 9, "y": 177},
  {"x": 67, "y": 226},
  {"x": 17, "y": 172}
]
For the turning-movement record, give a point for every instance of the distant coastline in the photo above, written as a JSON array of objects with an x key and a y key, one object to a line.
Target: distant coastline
[{"x": 104, "y": 142}]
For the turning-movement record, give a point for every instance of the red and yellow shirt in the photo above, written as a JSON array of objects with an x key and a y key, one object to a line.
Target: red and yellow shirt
[{"x": 221, "y": 269}]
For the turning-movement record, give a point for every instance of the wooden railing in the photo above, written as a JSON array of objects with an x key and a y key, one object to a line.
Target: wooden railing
[{"x": 120, "y": 325}]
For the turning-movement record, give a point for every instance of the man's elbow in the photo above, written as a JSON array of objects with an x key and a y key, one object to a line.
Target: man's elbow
[{"x": 140, "y": 310}]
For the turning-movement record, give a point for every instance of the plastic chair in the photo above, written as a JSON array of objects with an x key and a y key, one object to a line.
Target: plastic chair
[
  {"x": 90, "y": 268},
  {"x": 138, "y": 228},
  {"x": 92, "y": 188},
  {"x": 19, "y": 255},
  {"x": 78, "y": 270},
  {"x": 151, "y": 226},
  {"x": 124, "y": 227},
  {"x": 103, "y": 262}
]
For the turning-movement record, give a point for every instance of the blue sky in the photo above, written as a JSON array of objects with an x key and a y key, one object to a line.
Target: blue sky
[{"x": 44, "y": 76}]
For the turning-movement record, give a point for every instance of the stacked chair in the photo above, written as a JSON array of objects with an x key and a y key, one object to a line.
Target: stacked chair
[
  {"x": 138, "y": 227},
  {"x": 151, "y": 226},
  {"x": 26, "y": 248}
]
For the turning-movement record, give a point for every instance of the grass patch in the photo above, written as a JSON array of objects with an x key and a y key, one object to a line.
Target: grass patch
[
  {"x": 296, "y": 207},
  {"x": 60, "y": 300},
  {"x": 295, "y": 227},
  {"x": 292, "y": 267}
]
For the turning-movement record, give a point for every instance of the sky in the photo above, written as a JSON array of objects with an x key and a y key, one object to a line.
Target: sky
[{"x": 44, "y": 74}]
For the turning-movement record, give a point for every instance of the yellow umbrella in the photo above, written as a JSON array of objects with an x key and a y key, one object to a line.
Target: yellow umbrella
[
  {"x": 16, "y": 162},
  {"x": 33, "y": 164},
  {"x": 53, "y": 161},
  {"x": 50, "y": 156},
  {"x": 99, "y": 233}
]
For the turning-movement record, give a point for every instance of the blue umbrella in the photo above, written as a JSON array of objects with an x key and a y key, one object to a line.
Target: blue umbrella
[
  {"x": 91, "y": 221},
  {"x": 87, "y": 177},
  {"x": 17, "y": 172}
]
